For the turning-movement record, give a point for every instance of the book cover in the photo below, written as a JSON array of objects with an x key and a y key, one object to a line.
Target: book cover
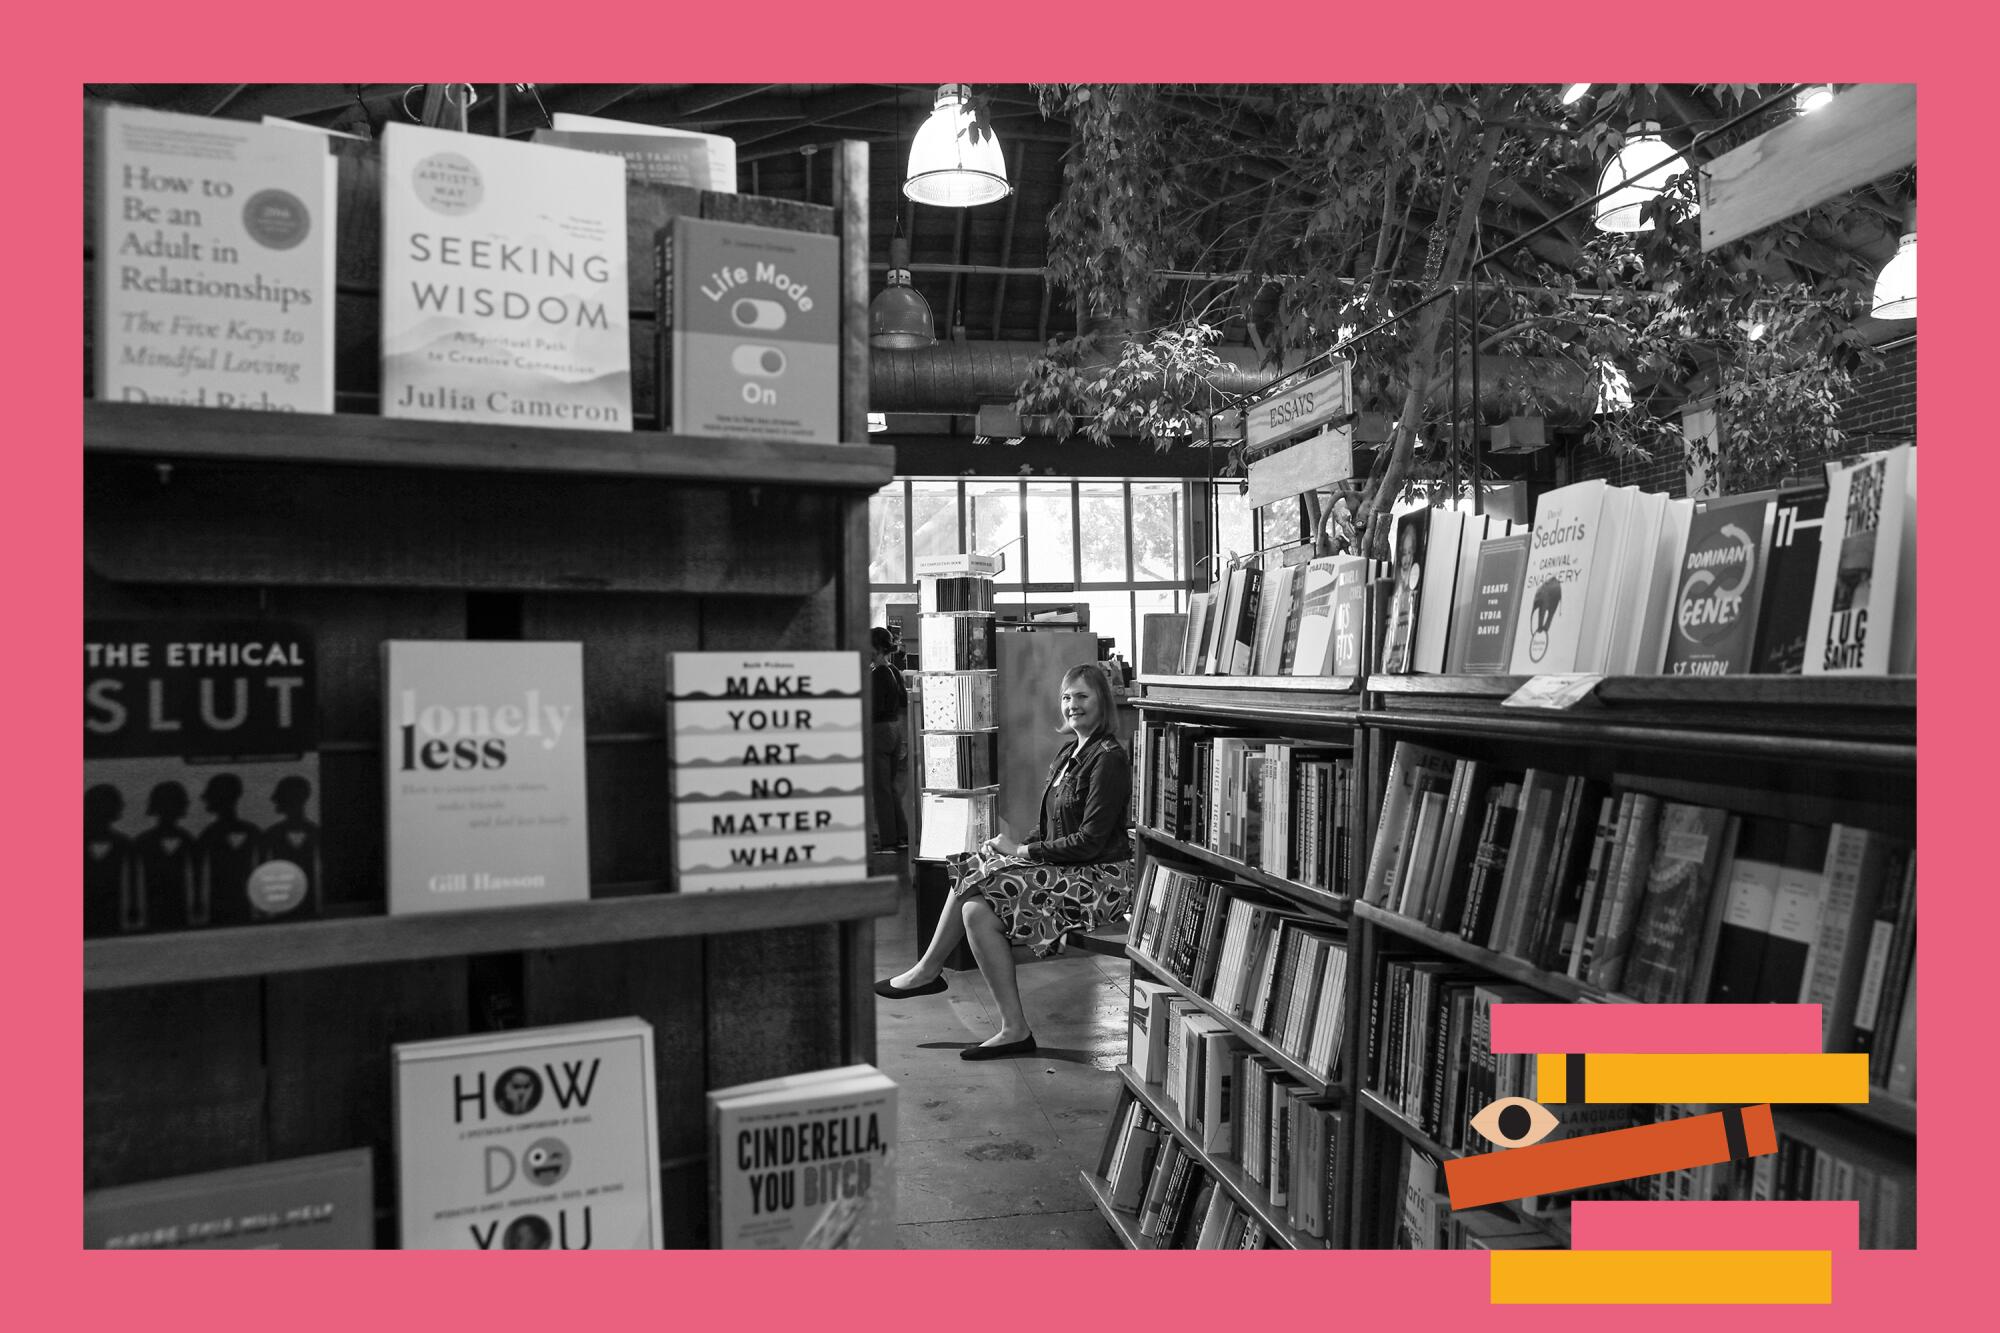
[
  {"x": 1656, "y": 621},
  {"x": 953, "y": 824},
  {"x": 1795, "y": 915},
  {"x": 756, "y": 332},
  {"x": 1605, "y": 579},
  {"x": 1721, "y": 583},
  {"x": 1788, "y": 585},
  {"x": 721, "y": 149},
  {"x": 957, "y": 642},
  {"x": 1199, "y": 610},
  {"x": 808, "y": 1166},
  {"x": 1440, "y": 588},
  {"x": 1687, "y": 844},
  {"x": 1240, "y": 626},
  {"x": 1635, "y": 580},
  {"x": 1854, "y": 617},
  {"x": 1273, "y": 609},
  {"x": 1751, "y": 895},
  {"x": 768, "y": 782},
  {"x": 1553, "y": 590},
  {"x": 1312, "y": 654},
  {"x": 1498, "y": 576},
  {"x": 1465, "y": 587},
  {"x": 324, "y": 1202},
  {"x": 1411, "y": 543},
  {"x": 1856, "y": 866},
  {"x": 536, "y": 1139},
  {"x": 201, "y": 791},
  {"x": 504, "y": 294},
  {"x": 214, "y": 264},
  {"x": 1637, "y": 834},
  {"x": 650, "y": 159},
  {"x": 1352, "y": 614},
  {"x": 483, "y": 757}
]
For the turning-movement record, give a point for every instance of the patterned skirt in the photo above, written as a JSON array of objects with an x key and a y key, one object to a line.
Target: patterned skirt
[{"x": 1038, "y": 902}]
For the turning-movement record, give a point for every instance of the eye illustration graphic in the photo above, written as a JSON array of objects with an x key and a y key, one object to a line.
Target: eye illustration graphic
[{"x": 1515, "y": 1122}]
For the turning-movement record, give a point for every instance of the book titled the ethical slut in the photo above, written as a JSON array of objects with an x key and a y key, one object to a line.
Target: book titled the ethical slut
[
  {"x": 538, "y": 1139},
  {"x": 504, "y": 295},
  {"x": 324, "y": 1202},
  {"x": 214, "y": 264},
  {"x": 804, "y": 1163},
  {"x": 768, "y": 778},
  {"x": 756, "y": 332},
  {"x": 483, "y": 749}
]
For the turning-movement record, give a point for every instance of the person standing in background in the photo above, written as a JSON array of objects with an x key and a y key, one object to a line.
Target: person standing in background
[{"x": 888, "y": 710}]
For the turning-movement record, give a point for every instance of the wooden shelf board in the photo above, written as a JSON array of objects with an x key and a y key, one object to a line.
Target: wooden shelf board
[
  {"x": 1290, "y": 702},
  {"x": 1123, "y": 1224},
  {"x": 1500, "y": 964},
  {"x": 1316, "y": 899},
  {"x": 1886, "y": 1109},
  {"x": 1227, "y": 1173},
  {"x": 203, "y": 955},
  {"x": 1888, "y": 692},
  {"x": 1264, "y": 1045},
  {"x": 166, "y": 433}
]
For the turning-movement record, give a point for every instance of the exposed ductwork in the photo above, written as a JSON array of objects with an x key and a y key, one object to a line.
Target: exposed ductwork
[{"x": 954, "y": 377}]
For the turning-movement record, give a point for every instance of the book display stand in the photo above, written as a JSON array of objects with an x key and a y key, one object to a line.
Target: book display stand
[{"x": 227, "y": 1047}]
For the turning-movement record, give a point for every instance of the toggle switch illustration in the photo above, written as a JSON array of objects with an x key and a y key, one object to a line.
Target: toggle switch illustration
[
  {"x": 756, "y": 359},
  {"x": 750, "y": 313}
]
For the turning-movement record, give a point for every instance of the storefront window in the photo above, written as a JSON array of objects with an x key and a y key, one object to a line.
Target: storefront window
[{"x": 1051, "y": 551}]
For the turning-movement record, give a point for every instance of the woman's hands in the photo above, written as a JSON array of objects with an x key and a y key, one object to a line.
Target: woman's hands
[{"x": 1002, "y": 844}]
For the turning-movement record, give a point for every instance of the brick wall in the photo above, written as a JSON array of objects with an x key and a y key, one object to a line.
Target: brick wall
[{"x": 1882, "y": 411}]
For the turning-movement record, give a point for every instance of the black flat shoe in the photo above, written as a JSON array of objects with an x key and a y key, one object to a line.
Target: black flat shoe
[
  {"x": 1025, "y": 1046},
  {"x": 888, "y": 990}
]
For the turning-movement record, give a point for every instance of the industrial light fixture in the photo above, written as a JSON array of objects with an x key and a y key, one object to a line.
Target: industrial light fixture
[
  {"x": 1896, "y": 284},
  {"x": 1814, "y": 96},
  {"x": 1573, "y": 93},
  {"x": 948, "y": 166},
  {"x": 1644, "y": 150},
  {"x": 899, "y": 316}
]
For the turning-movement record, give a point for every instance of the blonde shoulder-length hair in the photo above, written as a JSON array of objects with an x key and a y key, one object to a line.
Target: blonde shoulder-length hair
[{"x": 1100, "y": 688}]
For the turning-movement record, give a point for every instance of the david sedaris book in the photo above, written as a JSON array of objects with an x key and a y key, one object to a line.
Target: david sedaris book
[
  {"x": 504, "y": 290},
  {"x": 484, "y": 782},
  {"x": 538, "y": 1139}
]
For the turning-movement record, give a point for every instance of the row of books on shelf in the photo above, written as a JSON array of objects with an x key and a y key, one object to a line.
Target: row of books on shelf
[
  {"x": 1145, "y": 1165},
  {"x": 1655, "y": 898},
  {"x": 1884, "y": 1193},
  {"x": 548, "y": 1138},
  {"x": 1281, "y": 807},
  {"x": 483, "y": 773},
  {"x": 1277, "y": 972},
  {"x": 488, "y": 313},
  {"x": 1815, "y": 578}
]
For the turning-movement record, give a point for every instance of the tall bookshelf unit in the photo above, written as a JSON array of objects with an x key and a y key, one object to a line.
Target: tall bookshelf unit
[
  {"x": 1815, "y": 750},
  {"x": 229, "y": 1047}
]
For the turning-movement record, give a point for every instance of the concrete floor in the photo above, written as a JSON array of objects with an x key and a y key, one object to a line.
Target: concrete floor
[{"x": 988, "y": 1151}]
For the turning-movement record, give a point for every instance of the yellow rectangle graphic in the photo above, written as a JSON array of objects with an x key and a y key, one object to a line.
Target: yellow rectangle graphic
[
  {"x": 1791, "y": 1076},
  {"x": 1662, "y": 1277}
]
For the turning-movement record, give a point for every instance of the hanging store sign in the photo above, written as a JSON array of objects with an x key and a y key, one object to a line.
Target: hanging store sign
[
  {"x": 1309, "y": 465},
  {"x": 1301, "y": 409}
]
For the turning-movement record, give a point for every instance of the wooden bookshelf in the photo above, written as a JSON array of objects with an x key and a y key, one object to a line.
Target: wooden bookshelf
[
  {"x": 1499, "y": 964},
  {"x": 248, "y": 951},
  {"x": 1383, "y": 1112},
  {"x": 1122, "y": 1224},
  {"x": 1318, "y": 1083},
  {"x": 1292, "y": 704},
  {"x": 159, "y": 433},
  {"x": 1886, "y": 1109},
  {"x": 1318, "y": 900},
  {"x": 1227, "y": 1173}
]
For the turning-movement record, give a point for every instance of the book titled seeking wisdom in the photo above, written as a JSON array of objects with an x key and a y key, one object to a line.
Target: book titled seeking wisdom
[
  {"x": 484, "y": 780},
  {"x": 214, "y": 264},
  {"x": 768, "y": 783},
  {"x": 539, "y": 1139},
  {"x": 755, "y": 347},
  {"x": 805, "y": 1162},
  {"x": 200, "y": 775},
  {"x": 504, "y": 291}
]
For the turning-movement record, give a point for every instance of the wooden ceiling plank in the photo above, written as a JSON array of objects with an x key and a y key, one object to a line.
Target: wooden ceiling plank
[{"x": 1862, "y": 134}]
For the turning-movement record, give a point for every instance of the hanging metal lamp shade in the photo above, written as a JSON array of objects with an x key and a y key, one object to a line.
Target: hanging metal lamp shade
[
  {"x": 1896, "y": 284},
  {"x": 948, "y": 168},
  {"x": 1644, "y": 148},
  {"x": 899, "y": 316}
]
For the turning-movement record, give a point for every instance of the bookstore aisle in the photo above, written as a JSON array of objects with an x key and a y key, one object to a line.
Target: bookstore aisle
[{"x": 989, "y": 1152}]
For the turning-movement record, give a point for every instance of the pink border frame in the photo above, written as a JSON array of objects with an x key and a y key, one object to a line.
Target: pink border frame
[{"x": 58, "y": 1285}]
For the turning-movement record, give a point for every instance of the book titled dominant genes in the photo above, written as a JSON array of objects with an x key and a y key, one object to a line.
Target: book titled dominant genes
[
  {"x": 768, "y": 780},
  {"x": 483, "y": 748}
]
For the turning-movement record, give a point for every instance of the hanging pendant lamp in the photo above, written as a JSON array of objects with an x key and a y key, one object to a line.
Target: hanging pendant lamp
[
  {"x": 899, "y": 316},
  {"x": 1896, "y": 284},
  {"x": 948, "y": 168},
  {"x": 1644, "y": 148}
]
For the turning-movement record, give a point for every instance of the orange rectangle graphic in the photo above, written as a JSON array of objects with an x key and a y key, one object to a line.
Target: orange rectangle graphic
[{"x": 1619, "y": 1154}]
